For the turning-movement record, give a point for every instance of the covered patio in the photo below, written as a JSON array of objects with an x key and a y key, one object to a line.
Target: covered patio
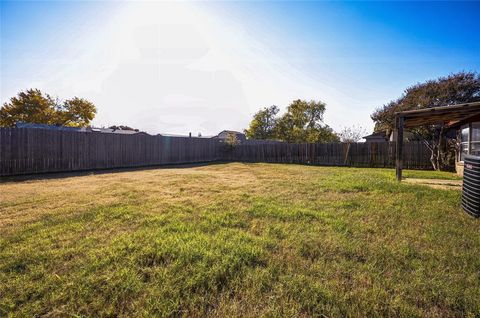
[{"x": 465, "y": 116}]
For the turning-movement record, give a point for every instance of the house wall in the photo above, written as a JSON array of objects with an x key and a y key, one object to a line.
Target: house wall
[
  {"x": 459, "y": 166},
  {"x": 406, "y": 135}
]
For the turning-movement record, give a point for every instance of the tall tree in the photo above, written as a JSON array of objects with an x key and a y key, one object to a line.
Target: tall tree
[
  {"x": 303, "y": 122},
  {"x": 263, "y": 124},
  {"x": 31, "y": 106},
  {"x": 463, "y": 87},
  {"x": 34, "y": 106},
  {"x": 77, "y": 112}
]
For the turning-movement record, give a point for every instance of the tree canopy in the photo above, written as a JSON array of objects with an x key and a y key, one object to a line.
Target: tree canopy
[
  {"x": 463, "y": 87},
  {"x": 303, "y": 122},
  {"x": 263, "y": 124},
  {"x": 34, "y": 106}
]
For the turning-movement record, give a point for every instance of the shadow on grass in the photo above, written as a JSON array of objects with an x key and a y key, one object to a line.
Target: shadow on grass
[
  {"x": 418, "y": 174},
  {"x": 79, "y": 173}
]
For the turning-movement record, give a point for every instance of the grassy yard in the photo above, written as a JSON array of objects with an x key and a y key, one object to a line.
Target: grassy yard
[{"x": 237, "y": 240}]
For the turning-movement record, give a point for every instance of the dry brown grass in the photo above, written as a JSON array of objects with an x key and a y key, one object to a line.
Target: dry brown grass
[{"x": 236, "y": 240}]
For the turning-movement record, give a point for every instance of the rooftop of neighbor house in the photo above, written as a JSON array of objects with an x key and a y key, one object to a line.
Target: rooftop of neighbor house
[
  {"x": 380, "y": 134},
  {"x": 51, "y": 127},
  {"x": 230, "y": 132},
  {"x": 78, "y": 129},
  {"x": 186, "y": 136},
  {"x": 451, "y": 116},
  {"x": 117, "y": 131},
  {"x": 224, "y": 133},
  {"x": 114, "y": 130}
]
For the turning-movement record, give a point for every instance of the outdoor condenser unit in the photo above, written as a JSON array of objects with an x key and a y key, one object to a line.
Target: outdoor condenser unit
[{"x": 471, "y": 185}]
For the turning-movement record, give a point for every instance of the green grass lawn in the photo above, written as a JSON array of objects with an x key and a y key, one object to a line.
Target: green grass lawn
[
  {"x": 431, "y": 175},
  {"x": 237, "y": 240}
]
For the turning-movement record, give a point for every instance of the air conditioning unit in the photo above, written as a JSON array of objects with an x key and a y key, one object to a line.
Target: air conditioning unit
[{"x": 471, "y": 185}]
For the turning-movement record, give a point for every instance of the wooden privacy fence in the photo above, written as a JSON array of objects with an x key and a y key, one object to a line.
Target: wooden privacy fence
[
  {"x": 381, "y": 155},
  {"x": 28, "y": 151}
]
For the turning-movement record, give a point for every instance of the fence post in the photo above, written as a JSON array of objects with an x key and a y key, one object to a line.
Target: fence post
[{"x": 399, "y": 152}]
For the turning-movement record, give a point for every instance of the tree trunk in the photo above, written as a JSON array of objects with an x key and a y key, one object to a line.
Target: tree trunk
[
  {"x": 433, "y": 153},
  {"x": 434, "y": 159},
  {"x": 440, "y": 150},
  {"x": 444, "y": 152}
]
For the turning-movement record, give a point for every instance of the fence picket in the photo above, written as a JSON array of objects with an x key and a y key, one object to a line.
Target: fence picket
[{"x": 27, "y": 151}]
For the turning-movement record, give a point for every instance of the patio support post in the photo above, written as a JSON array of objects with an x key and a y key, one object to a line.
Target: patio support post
[{"x": 399, "y": 144}]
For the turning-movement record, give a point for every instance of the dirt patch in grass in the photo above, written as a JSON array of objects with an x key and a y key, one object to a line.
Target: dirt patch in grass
[{"x": 437, "y": 183}]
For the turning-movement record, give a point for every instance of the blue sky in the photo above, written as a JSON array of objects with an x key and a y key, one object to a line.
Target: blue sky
[{"x": 207, "y": 66}]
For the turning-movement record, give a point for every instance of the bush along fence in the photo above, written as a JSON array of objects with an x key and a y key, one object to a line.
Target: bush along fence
[{"x": 29, "y": 151}]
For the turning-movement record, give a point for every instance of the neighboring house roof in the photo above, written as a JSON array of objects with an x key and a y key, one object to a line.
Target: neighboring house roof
[
  {"x": 173, "y": 135},
  {"x": 51, "y": 127},
  {"x": 117, "y": 131},
  {"x": 185, "y": 136},
  {"x": 229, "y": 132},
  {"x": 78, "y": 129},
  {"x": 381, "y": 134},
  {"x": 223, "y": 134},
  {"x": 408, "y": 135}
]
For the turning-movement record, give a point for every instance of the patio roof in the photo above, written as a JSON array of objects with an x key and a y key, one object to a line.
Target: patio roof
[{"x": 448, "y": 115}]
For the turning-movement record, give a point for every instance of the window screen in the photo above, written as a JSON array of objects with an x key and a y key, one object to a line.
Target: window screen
[
  {"x": 464, "y": 145},
  {"x": 475, "y": 139}
]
